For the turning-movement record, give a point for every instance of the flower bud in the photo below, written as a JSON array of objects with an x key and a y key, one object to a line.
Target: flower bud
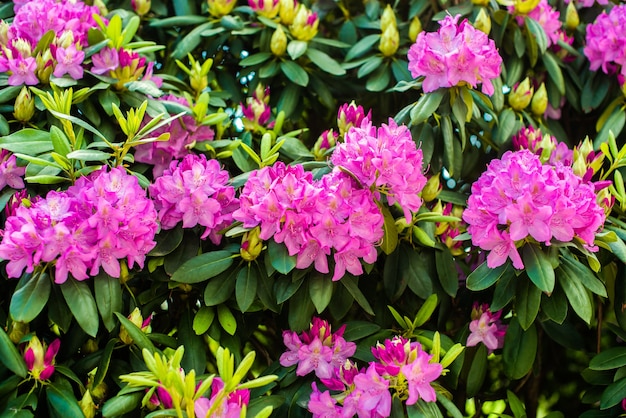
[
  {"x": 350, "y": 115},
  {"x": 326, "y": 141},
  {"x": 520, "y": 95},
  {"x": 539, "y": 103},
  {"x": 219, "y": 8},
  {"x": 197, "y": 77},
  {"x": 389, "y": 41},
  {"x": 66, "y": 39},
  {"x": 44, "y": 66},
  {"x": 265, "y": 8},
  {"x": 278, "y": 43},
  {"x": 572, "y": 20},
  {"x": 304, "y": 26},
  {"x": 605, "y": 200},
  {"x": 18, "y": 331},
  {"x": 251, "y": 245},
  {"x": 102, "y": 8},
  {"x": 137, "y": 319},
  {"x": 90, "y": 346},
  {"x": 287, "y": 11},
  {"x": 39, "y": 359},
  {"x": 523, "y": 7},
  {"x": 387, "y": 19},
  {"x": 432, "y": 188},
  {"x": 415, "y": 28},
  {"x": 480, "y": 2},
  {"x": 24, "y": 108},
  {"x": 87, "y": 405},
  {"x": 4, "y": 32},
  {"x": 483, "y": 21},
  {"x": 141, "y": 7},
  {"x": 23, "y": 47}
]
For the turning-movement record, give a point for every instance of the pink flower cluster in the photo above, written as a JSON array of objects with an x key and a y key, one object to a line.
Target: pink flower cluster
[
  {"x": 545, "y": 146},
  {"x": 486, "y": 328},
  {"x": 318, "y": 350},
  {"x": 548, "y": 18},
  {"x": 10, "y": 173},
  {"x": 184, "y": 133},
  {"x": 69, "y": 20},
  {"x": 194, "y": 191},
  {"x": 518, "y": 198},
  {"x": 125, "y": 66},
  {"x": 385, "y": 160},
  {"x": 606, "y": 41},
  {"x": 399, "y": 364},
  {"x": 457, "y": 54},
  {"x": 96, "y": 222},
  {"x": 313, "y": 218},
  {"x": 231, "y": 407}
]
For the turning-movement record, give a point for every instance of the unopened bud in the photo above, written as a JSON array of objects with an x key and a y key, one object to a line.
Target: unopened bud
[
  {"x": 432, "y": 188},
  {"x": 141, "y": 7},
  {"x": 539, "y": 103},
  {"x": 219, "y": 8},
  {"x": 23, "y": 47},
  {"x": 251, "y": 245},
  {"x": 483, "y": 21},
  {"x": 388, "y": 18},
  {"x": 572, "y": 20},
  {"x": 278, "y": 43},
  {"x": 523, "y": 7},
  {"x": 137, "y": 319},
  {"x": 305, "y": 23},
  {"x": 197, "y": 79},
  {"x": 480, "y": 2},
  {"x": 326, "y": 141},
  {"x": 87, "y": 405},
  {"x": 24, "y": 107},
  {"x": 44, "y": 66},
  {"x": 66, "y": 39},
  {"x": 415, "y": 28},
  {"x": 520, "y": 96},
  {"x": 18, "y": 331},
  {"x": 90, "y": 346},
  {"x": 265, "y": 8},
  {"x": 287, "y": 11},
  {"x": 389, "y": 41},
  {"x": 4, "y": 32}
]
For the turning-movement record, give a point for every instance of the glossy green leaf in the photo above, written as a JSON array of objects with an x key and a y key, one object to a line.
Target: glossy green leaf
[
  {"x": 295, "y": 73},
  {"x": 449, "y": 154},
  {"x": 362, "y": 46},
  {"x": 194, "y": 357},
  {"x": 81, "y": 302},
  {"x": 296, "y": 48},
  {"x": 356, "y": 330},
  {"x": 27, "y": 141},
  {"x": 423, "y": 409},
  {"x": 320, "y": 290},
  {"x": 520, "y": 349},
  {"x": 203, "y": 267},
  {"x": 350, "y": 283},
  {"x": 104, "y": 363},
  {"x": 59, "y": 140},
  {"x": 578, "y": 296},
  {"x": 61, "y": 399},
  {"x": 555, "y": 306},
  {"x": 446, "y": 271},
  {"x": 538, "y": 33},
  {"x": 517, "y": 406},
  {"x": 477, "y": 371},
  {"x": 527, "y": 301},
  {"x": 579, "y": 271},
  {"x": 108, "y": 293},
  {"x": 255, "y": 59},
  {"x": 484, "y": 277},
  {"x": 379, "y": 79},
  {"x": 280, "y": 258},
  {"x": 203, "y": 319},
  {"x": 507, "y": 126},
  {"x": 426, "y": 106},
  {"x": 301, "y": 309},
  {"x": 10, "y": 357},
  {"x": 226, "y": 319},
  {"x": 122, "y": 404},
  {"x": 325, "y": 62},
  {"x": 30, "y": 297},
  {"x": 608, "y": 359},
  {"x": 89, "y": 155},
  {"x": 554, "y": 71},
  {"x": 413, "y": 269},
  {"x": 246, "y": 286},
  {"x": 220, "y": 288},
  {"x": 389, "y": 240},
  {"x": 538, "y": 268},
  {"x": 614, "y": 394}
]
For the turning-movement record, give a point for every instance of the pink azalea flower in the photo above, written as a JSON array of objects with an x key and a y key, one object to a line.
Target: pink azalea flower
[
  {"x": 22, "y": 71},
  {"x": 372, "y": 394},
  {"x": 322, "y": 405},
  {"x": 10, "y": 173},
  {"x": 69, "y": 61},
  {"x": 486, "y": 328},
  {"x": 420, "y": 373}
]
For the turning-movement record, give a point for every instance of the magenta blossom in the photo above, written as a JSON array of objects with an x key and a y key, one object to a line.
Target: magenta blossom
[
  {"x": 457, "y": 54},
  {"x": 486, "y": 328},
  {"x": 69, "y": 61},
  {"x": 606, "y": 41},
  {"x": 10, "y": 173},
  {"x": 39, "y": 358}
]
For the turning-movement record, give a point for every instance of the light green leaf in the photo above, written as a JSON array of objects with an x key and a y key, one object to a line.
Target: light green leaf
[
  {"x": 203, "y": 319},
  {"x": 226, "y": 319},
  {"x": 10, "y": 357},
  {"x": 296, "y": 48},
  {"x": 295, "y": 73},
  {"x": 27, "y": 141}
]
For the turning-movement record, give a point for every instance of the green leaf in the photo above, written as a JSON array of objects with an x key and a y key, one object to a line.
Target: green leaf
[
  {"x": 446, "y": 270},
  {"x": 122, "y": 404},
  {"x": 324, "y": 62},
  {"x": 61, "y": 399},
  {"x": 448, "y": 145},
  {"x": 517, "y": 406},
  {"x": 555, "y": 305},
  {"x": 356, "y": 330},
  {"x": 296, "y": 48},
  {"x": 301, "y": 309},
  {"x": 89, "y": 155},
  {"x": 507, "y": 126},
  {"x": 295, "y": 73},
  {"x": 379, "y": 79},
  {"x": 255, "y": 59},
  {"x": 246, "y": 286},
  {"x": 139, "y": 338},
  {"x": 527, "y": 301},
  {"x": 104, "y": 363},
  {"x": 484, "y": 276},
  {"x": 60, "y": 142},
  {"x": 226, "y": 319},
  {"x": 10, "y": 357},
  {"x": 426, "y": 106},
  {"x": 203, "y": 319},
  {"x": 194, "y": 357},
  {"x": 426, "y": 310},
  {"x": 413, "y": 269},
  {"x": 554, "y": 71},
  {"x": 539, "y": 34},
  {"x": 520, "y": 349},
  {"x": 423, "y": 409},
  {"x": 320, "y": 290},
  {"x": 608, "y": 359},
  {"x": 538, "y": 268},
  {"x": 79, "y": 299},
  {"x": 477, "y": 371},
  {"x": 27, "y": 141},
  {"x": 285, "y": 288},
  {"x": 613, "y": 394},
  {"x": 350, "y": 283},
  {"x": 579, "y": 271},
  {"x": 108, "y": 292},
  {"x": 45, "y": 179},
  {"x": 30, "y": 297},
  {"x": 389, "y": 240},
  {"x": 362, "y": 46},
  {"x": 203, "y": 267},
  {"x": 577, "y": 294},
  {"x": 280, "y": 258}
]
